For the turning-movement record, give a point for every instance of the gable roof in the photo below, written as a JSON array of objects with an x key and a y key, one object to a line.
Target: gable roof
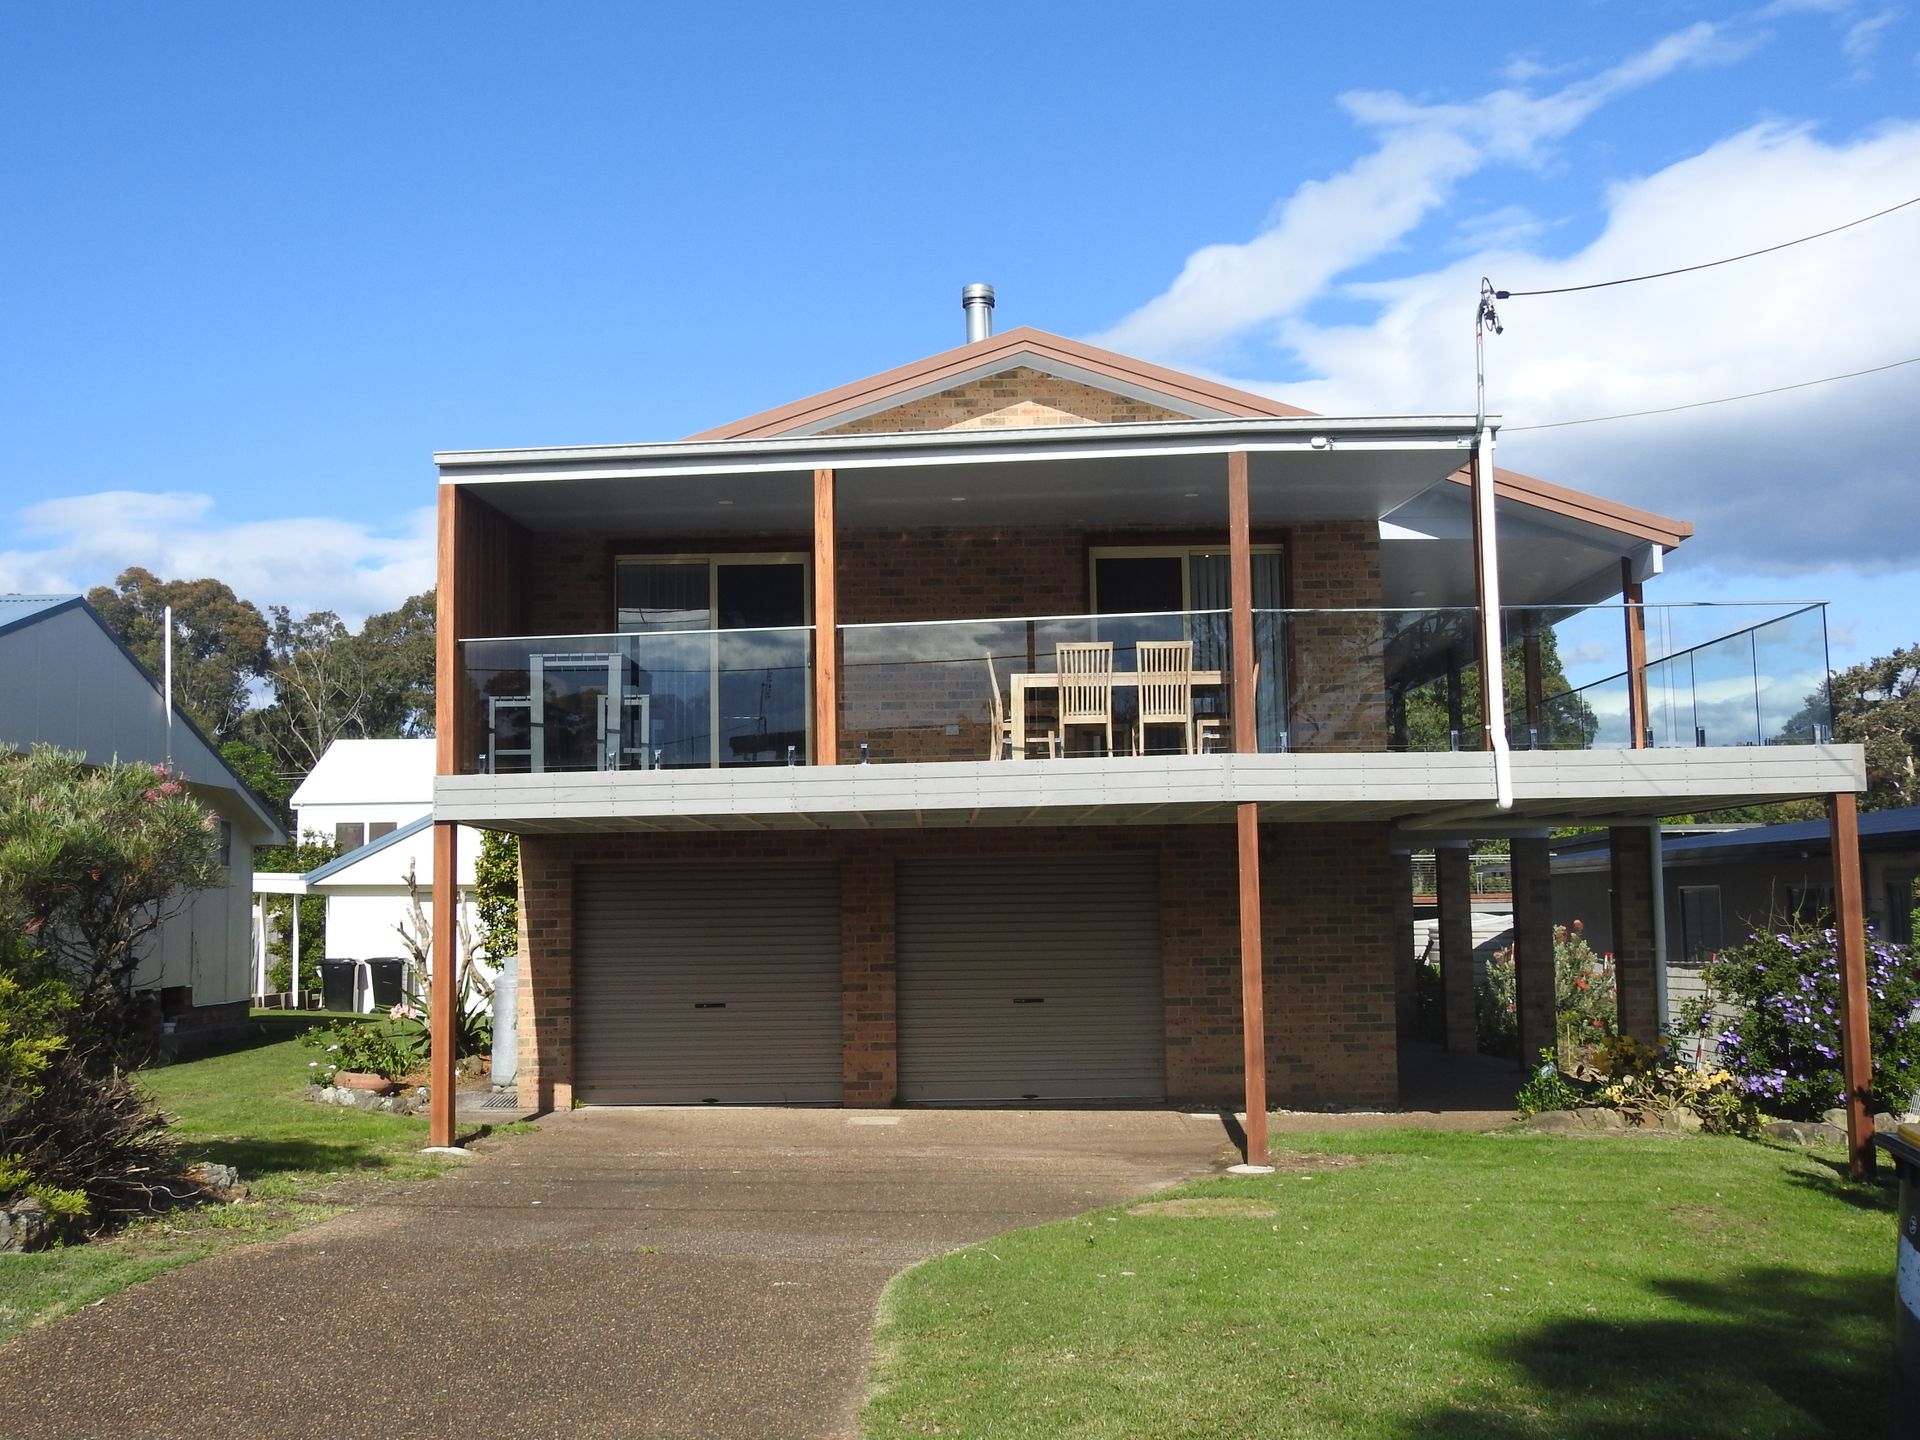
[
  {"x": 17, "y": 612},
  {"x": 1108, "y": 369},
  {"x": 370, "y": 772},
  {"x": 1036, "y": 349}
]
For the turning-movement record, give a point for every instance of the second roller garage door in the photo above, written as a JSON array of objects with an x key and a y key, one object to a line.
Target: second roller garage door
[
  {"x": 703, "y": 983},
  {"x": 1030, "y": 979}
]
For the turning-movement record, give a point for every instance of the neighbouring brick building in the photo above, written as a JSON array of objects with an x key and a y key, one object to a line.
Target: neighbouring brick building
[{"x": 777, "y": 712}]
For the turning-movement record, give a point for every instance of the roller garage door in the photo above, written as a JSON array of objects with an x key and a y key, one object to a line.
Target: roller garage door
[
  {"x": 1030, "y": 979},
  {"x": 707, "y": 983}
]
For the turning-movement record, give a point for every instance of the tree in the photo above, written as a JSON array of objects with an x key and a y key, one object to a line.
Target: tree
[
  {"x": 255, "y": 766},
  {"x": 1876, "y": 705},
  {"x": 496, "y": 896},
  {"x": 330, "y": 684},
  {"x": 92, "y": 860},
  {"x": 1567, "y": 720},
  {"x": 219, "y": 640}
]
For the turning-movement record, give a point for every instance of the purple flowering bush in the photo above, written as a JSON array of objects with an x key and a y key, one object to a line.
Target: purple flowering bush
[{"x": 1783, "y": 1044}]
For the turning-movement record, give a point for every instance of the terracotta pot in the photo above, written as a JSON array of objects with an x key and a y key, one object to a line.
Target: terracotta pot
[{"x": 359, "y": 1080}]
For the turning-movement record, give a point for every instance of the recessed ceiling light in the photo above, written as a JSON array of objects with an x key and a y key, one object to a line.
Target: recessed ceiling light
[
  {"x": 956, "y": 498},
  {"x": 723, "y": 502},
  {"x": 1193, "y": 494}
]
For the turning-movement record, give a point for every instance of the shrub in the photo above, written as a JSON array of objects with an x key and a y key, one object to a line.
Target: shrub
[
  {"x": 1783, "y": 1044},
  {"x": 1584, "y": 996},
  {"x": 390, "y": 1048},
  {"x": 1547, "y": 1089},
  {"x": 89, "y": 1145},
  {"x": 1715, "y": 1097}
]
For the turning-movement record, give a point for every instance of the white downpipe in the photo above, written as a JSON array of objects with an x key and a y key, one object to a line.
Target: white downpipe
[
  {"x": 1662, "y": 1016},
  {"x": 259, "y": 949},
  {"x": 293, "y": 967},
  {"x": 1492, "y": 669}
]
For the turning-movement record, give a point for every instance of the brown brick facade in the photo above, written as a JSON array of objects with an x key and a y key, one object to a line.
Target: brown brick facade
[
  {"x": 1013, "y": 398},
  {"x": 1631, "y": 847},
  {"x": 1536, "y": 1021},
  {"x": 1328, "y": 923},
  {"x": 1453, "y": 869}
]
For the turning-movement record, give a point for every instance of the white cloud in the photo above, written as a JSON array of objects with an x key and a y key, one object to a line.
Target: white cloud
[
  {"x": 1862, "y": 39},
  {"x": 1779, "y": 485},
  {"x": 303, "y": 563},
  {"x": 1329, "y": 226}
]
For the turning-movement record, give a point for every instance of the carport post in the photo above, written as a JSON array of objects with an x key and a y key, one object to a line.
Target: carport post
[
  {"x": 1246, "y": 741},
  {"x": 1856, "y": 1047},
  {"x": 446, "y": 926},
  {"x": 826, "y": 631}
]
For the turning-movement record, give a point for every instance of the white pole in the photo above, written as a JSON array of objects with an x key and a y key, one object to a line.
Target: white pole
[
  {"x": 259, "y": 949},
  {"x": 1659, "y": 866},
  {"x": 166, "y": 672},
  {"x": 1492, "y": 666},
  {"x": 293, "y": 955}
]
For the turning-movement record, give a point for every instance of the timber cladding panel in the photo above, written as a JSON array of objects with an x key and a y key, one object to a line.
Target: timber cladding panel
[{"x": 1327, "y": 919}]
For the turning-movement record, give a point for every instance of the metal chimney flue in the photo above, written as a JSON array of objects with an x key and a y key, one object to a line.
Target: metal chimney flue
[{"x": 977, "y": 301}]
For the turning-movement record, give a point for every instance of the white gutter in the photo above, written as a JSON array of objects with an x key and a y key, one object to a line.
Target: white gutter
[{"x": 1493, "y": 672}]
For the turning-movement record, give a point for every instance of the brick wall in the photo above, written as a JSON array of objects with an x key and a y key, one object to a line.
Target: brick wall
[
  {"x": 1327, "y": 916},
  {"x": 1453, "y": 885},
  {"x": 1016, "y": 397},
  {"x": 1338, "y": 662},
  {"x": 1633, "y": 968},
  {"x": 1536, "y": 1020}
]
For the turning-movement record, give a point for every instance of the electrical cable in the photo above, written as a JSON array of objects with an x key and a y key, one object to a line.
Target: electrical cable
[
  {"x": 1723, "y": 400},
  {"x": 1708, "y": 264}
]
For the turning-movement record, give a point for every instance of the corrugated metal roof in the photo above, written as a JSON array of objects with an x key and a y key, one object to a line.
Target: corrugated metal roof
[
  {"x": 1896, "y": 829},
  {"x": 17, "y": 609}
]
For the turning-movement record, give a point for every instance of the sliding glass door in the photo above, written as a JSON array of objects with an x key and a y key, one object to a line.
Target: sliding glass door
[
  {"x": 1178, "y": 594},
  {"x": 721, "y": 647}
]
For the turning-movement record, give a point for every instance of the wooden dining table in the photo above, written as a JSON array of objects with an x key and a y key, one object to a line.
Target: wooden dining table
[{"x": 1026, "y": 682}]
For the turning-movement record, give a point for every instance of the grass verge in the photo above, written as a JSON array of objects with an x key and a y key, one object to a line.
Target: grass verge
[
  {"x": 1450, "y": 1285},
  {"x": 302, "y": 1163}
]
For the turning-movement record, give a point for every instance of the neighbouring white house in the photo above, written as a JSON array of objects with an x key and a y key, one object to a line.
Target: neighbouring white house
[
  {"x": 374, "y": 797},
  {"x": 66, "y": 680}
]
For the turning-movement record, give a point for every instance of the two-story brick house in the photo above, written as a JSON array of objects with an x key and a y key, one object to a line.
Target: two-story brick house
[{"x": 777, "y": 713}]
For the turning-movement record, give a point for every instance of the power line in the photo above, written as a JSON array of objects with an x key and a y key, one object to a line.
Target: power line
[
  {"x": 1706, "y": 265},
  {"x": 1723, "y": 400}
]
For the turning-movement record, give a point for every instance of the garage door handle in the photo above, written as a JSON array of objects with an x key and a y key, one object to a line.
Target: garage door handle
[
  {"x": 709, "y": 1004},
  {"x": 1029, "y": 999}
]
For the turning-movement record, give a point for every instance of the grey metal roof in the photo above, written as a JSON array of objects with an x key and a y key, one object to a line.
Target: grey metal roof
[
  {"x": 18, "y": 609},
  {"x": 1897, "y": 829},
  {"x": 372, "y": 847}
]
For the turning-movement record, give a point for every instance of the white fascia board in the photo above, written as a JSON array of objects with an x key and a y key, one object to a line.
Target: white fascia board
[
  {"x": 950, "y": 447},
  {"x": 1022, "y": 359}
]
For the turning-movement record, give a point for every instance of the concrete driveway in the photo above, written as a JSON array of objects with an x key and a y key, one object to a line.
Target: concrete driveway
[{"x": 619, "y": 1273}]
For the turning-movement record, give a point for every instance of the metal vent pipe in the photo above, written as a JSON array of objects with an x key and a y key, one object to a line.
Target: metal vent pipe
[{"x": 977, "y": 301}]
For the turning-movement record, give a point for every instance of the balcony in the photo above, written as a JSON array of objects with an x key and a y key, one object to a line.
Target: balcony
[{"x": 989, "y": 691}]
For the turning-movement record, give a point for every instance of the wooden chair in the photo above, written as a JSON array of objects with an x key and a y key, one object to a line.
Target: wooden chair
[
  {"x": 1085, "y": 672},
  {"x": 1166, "y": 690},
  {"x": 1207, "y": 728},
  {"x": 1002, "y": 739}
]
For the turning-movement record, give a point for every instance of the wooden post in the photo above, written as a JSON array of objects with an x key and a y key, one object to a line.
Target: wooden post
[
  {"x": 1246, "y": 741},
  {"x": 445, "y": 957},
  {"x": 1636, "y": 617},
  {"x": 1246, "y": 733},
  {"x": 446, "y": 641},
  {"x": 826, "y": 633},
  {"x": 1253, "y": 1003},
  {"x": 1856, "y": 1046}
]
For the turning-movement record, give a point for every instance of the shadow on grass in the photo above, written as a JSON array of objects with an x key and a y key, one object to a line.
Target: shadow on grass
[
  {"x": 1773, "y": 1352},
  {"x": 257, "y": 1159}
]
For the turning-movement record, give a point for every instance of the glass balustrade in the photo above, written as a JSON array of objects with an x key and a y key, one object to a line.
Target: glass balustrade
[{"x": 1325, "y": 682}]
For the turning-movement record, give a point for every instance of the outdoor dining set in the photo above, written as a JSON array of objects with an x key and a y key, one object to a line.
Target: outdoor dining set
[{"x": 1082, "y": 685}]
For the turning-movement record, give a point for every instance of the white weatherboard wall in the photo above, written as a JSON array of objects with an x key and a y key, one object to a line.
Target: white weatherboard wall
[
  {"x": 367, "y": 898},
  {"x": 64, "y": 681},
  {"x": 366, "y": 782}
]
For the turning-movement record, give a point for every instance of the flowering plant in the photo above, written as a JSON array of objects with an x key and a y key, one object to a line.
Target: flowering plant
[
  {"x": 1782, "y": 1042},
  {"x": 390, "y": 1049},
  {"x": 1584, "y": 998}
]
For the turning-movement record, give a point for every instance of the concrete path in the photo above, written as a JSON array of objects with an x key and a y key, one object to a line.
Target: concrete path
[{"x": 705, "y": 1273}]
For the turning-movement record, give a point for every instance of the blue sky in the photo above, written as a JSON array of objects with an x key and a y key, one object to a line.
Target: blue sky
[{"x": 261, "y": 261}]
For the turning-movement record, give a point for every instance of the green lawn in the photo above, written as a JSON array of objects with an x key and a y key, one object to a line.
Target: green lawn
[
  {"x": 243, "y": 1109},
  {"x": 1448, "y": 1285}
]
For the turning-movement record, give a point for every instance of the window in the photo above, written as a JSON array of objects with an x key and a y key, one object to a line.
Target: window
[
  {"x": 349, "y": 835},
  {"x": 1151, "y": 586},
  {"x": 1699, "y": 923},
  {"x": 716, "y": 653},
  {"x": 1810, "y": 904},
  {"x": 1902, "y": 901},
  {"x": 379, "y": 828}
]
